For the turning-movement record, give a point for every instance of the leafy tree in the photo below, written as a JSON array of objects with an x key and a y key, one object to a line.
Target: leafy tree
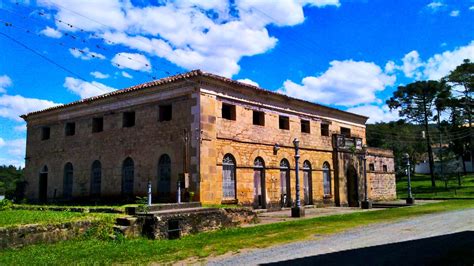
[
  {"x": 415, "y": 103},
  {"x": 11, "y": 182}
]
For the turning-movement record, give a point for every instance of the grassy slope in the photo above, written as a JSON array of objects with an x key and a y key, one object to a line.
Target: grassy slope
[
  {"x": 89, "y": 251},
  {"x": 421, "y": 187}
]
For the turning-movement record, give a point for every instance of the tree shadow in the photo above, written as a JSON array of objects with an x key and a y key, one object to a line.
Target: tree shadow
[{"x": 452, "y": 249}]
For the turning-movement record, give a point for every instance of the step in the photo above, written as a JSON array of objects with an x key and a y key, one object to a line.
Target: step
[{"x": 126, "y": 221}]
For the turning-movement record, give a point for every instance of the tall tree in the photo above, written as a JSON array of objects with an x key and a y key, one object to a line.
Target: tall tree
[{"x": 415, "y": 103}]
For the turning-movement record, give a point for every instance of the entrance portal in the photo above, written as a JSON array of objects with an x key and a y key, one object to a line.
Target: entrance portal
[
  {"x": 259, "y": 184},
  {"x": 43, "y": 185},
  {"x": 307, "y": 183},
  {"x": 352, "y": 187}
]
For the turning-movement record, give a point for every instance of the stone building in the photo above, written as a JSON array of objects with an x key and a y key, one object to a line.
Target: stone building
[{"x": 228, "y": 142}]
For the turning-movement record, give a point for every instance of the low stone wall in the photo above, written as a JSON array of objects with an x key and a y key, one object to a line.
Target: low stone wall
[
  {"x": 35, "y": 234},
  {"x": 69, "y": 208},
  {"x": 382, "y": 186}
]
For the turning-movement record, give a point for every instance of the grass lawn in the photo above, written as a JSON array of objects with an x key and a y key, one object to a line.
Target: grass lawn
[
  {"x": 9, "y": 218},
  {"x": 140, "y": 251},
  {"x": 421, "y": 187}
]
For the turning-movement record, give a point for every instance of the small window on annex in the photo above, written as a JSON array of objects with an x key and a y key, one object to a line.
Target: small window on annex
[
  {"x": 305, "y": 126},
  {"x": 45, "y": 133},
  {"x": 166, "y": 112},
  {"x": 228, "y": 111},
  {"x": 70, "y": 129},
  {"x": 97, "y": 124},
  {"x": 346, "y": 132},
  {"x": 258, "y": 118},
  {"x": 284, "y": 122},
  {"x": 371, "y": 167},
  {"x": 384, "y": 167},
  {"x": 325, "y": 130},
  {"x": 128, "y": 119}
]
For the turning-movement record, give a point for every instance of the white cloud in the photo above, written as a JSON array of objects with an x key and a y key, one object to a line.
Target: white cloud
[
  {"x": 20, "y": 128},
  {"x": 345, "y": 83},
  {"x": 12, "y": 106},
  {"x": 85, "y": 53},
  {"x": 5, "y": 81},
  {"x": 210, "y": 35},
  {"x": 126, "y": 75},
  {"x": 435, "y": 5},
  {"x": 86, "y": 89},
  {"x": 2, "y": 142},
  {"x": 411, "y": 64},
  {"x": 52, "y": 33},
  {"x": 249, "y": 81},
  {"x": 375, "y": 113},
  {"x": 454, "y": 13},
  {"x": 132, "y": 61},
  {"x": 99, "y": 75},
  {"x": 471, "y": 8},
  {"x": 13, "y": 152}
]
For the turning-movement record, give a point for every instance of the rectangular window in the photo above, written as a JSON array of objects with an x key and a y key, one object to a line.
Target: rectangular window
[
  {"x": 284, "y": 122},
  {"x": 371, "y": 167},
  {"x": 384, "y": 167},
  {"x": 305, "y": 128},
  {"x": 346, "y": 132},
  {"x": 97, "y": 124},
  {"x": 258, "y": 118},
  {"x": 228, "y": 111},
  {"x": 45, "y": 133},
  {"x": 166, "y": 112},
  {"x": 70, "y": 129},
  {"x": 128, "y": 119},
  {"x": 325, "y": 130}
]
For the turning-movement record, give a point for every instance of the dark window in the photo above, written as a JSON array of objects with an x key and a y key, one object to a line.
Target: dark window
[
  {"x": 371, "y": 167},
  {"x": 284, "y": 122},
  {"x": 384, "y": 167},
  {"x": 305, "y": 126},
  {"x": 128, "y": 119},
  {"x": 327, "y": 178},
  {"x": 45, "y": 133},
  {"x": 70, "y": 129},
  {"x": 258, "y": 118},
  {"x": 97, "y": 124},
  {"x": 96, "y": 178},
  {"x": 68, "y": 180},
  {"x": 166, "y": 112},
  {"x": 128, "y": 176},
  {"x": 164, "y": 178},
  {"x": 346, "y": 132},
  {"x": 228, "y": 111},
  {"x": 324, "y": 129}
]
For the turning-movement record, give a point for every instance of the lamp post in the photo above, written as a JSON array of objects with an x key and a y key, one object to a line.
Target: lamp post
[
  {"x": 297, "y": 211},
  {"x": 366, "y": 204},
  {"x": 410, "y": 199},
  {"x": 149, "y": 193}
]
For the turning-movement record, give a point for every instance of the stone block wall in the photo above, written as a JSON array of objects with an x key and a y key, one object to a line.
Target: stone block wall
[{"x": 381, "y": 180}]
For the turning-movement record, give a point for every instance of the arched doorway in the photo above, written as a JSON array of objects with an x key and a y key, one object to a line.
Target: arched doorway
[
  {"x": 259, "y": 183},
  {"x": 228, "y": 178},
  {"x": 68, "y": 180},
  {"x": 327, "y": 179},
  {"x": 164, "y": 178},
  {"x": 96, "y": 178},
  {"x": 43, "y": 184},
  {"x": 285, "y": 184},
  {"x": 307, "y": 183},
  {"x": 128, "y": 174},
  {"x": 352, "y": 187}
]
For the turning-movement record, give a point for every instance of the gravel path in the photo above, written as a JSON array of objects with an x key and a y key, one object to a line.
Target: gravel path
[{"x": 427, "y": 230}]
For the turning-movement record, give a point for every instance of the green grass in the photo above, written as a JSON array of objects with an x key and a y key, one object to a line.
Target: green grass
[
  {"x": 421, "y": 187},
  {"x": 141, "y": 251},
  {"x": 10, "y": 218}
]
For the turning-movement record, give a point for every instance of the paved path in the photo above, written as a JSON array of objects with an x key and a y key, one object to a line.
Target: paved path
[{"x": 435, "y": 239}]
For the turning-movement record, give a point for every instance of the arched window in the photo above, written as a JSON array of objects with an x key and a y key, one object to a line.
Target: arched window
[
  {"x": 327, "y": 179},
  {"x": 68, "y": 180},
  {"x": 307, "y": 183},
  {"x": 128, "y": 172},
  {"x": 164, "y": 178},
  {"x": 43, "y": 184},
  {"x": 96, "y": 178},
  {"x": 228, "y": 177},
  {"x": 285, "y": 185},
  {"x": 259, "y": 183}
]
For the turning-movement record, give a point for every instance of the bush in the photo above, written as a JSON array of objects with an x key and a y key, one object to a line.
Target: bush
[{"x": 5, "y": 204}]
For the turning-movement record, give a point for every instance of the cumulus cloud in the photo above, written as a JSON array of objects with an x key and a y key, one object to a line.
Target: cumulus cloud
[
  {"x": 376, "y": 113},
  {"x": 85, "y": 53},
  {"x": 126, "y": 75},
  {"x": 86, "y": 89},
  {"x": 411, "y": 64},
  {"x": 5, "y": 82},
  {"x": 454, "y": 13},
  {"x": 435, "y": 5},
  {"x": 20, "y": 128},
  {"x": 345, "y": 83},
  {"x": 2, "y": 142},
  {"x": 52, "y": 33},
  {"x": 12, "y": 152},
  {"x": 132, "y": 61},
  {"x": 99, "y": 75},
  {"x": 12, "y": 106},
  {"x": 249, "y": 81},
  {"x": 210, "y": 35}
]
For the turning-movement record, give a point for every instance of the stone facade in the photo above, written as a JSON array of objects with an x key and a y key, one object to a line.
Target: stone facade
[{"x": 212, "y": 118}]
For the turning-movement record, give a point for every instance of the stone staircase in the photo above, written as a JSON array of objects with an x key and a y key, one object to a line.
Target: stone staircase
[{"x": 128, "y": 226}]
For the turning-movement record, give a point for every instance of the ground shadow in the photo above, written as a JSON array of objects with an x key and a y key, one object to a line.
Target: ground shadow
[{"x": 453, "y": 249}]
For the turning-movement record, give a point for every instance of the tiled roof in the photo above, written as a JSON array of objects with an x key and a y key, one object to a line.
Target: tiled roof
[{"x": 184, "y": 76}]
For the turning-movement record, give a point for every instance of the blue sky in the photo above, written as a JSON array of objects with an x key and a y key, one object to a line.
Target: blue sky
[{"x": 346, "y": 54}]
